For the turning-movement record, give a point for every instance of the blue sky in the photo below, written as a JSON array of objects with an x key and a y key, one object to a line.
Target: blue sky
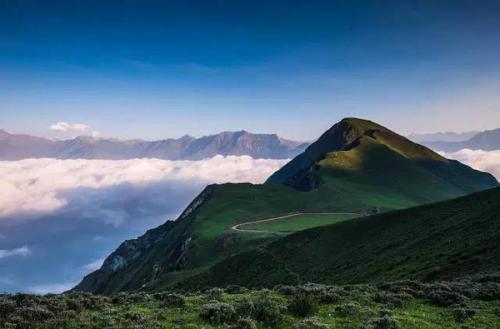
[{"x": 154, "y": 69}]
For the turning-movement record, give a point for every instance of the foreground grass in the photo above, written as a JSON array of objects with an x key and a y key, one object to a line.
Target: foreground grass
[{"x": 467, "y": 304}]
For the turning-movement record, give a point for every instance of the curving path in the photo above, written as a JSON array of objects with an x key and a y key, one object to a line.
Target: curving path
[{"x": 238, "y": 228}]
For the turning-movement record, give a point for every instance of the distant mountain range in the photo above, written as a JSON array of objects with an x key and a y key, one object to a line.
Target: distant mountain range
[
  {"x": 487, "y": 140},
  {"x": 447, "y": 136},
  {"x": 18, "y": 146},
  {"x": 357, "y": 166}
]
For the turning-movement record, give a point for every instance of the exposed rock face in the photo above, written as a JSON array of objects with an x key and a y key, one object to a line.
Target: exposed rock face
[
  {"x": 130, "y": 251},
  {"x": 17, "y": 147}
]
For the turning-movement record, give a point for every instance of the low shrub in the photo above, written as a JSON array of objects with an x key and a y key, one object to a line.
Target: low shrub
[
  {"x": 303, "y": 305},
  {"x": 267, "y": 311},
  {"x": 245, "y": 308},
  {"x": 461, "y": 314},
  {"x": 214, "y": 294},
  {"x": 169, "y": 300},
  {"x": 286, "y": 290},
  {"x": 384, "y": 322},
  {"x": 392, "y": 299},
  {"x": 7, "y": 306},
  {"x": 244, "y": 323},
  {"x": 217, "y": 313},
  {"x": 311, "y": 323},
  {"x": 235, "y": 289},
  {"x": 347, "y": 309},
  {"x": 33, "y": 313},
  {"x": 446, "y": 298},
  {"x": 135, "y": 316}
]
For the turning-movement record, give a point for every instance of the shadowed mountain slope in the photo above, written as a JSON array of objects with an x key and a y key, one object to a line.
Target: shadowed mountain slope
[{"x": 446, "y": 240}]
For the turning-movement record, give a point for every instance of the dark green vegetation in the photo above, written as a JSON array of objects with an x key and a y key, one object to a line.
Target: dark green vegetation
[
  {"x": 356, "y": 166},
  {"x": 445, "y": 240},
  {"x": 471, "y": 303}
]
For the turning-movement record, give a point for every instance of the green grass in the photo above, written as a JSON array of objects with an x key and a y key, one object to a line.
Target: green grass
[
  {"x": 442, "y": 240},
  {"x": 408, "y": 305},
  {"x": 297, "y": 223}
]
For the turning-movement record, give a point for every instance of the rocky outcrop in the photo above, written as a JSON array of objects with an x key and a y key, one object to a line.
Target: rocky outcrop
[{"x": 130, "y": 251}]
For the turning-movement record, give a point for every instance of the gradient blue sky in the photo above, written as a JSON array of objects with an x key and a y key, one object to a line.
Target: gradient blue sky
[{"x": 154, "y": 69}]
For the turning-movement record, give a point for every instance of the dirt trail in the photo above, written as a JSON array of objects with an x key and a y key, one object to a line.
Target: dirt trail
[{"x": 238, "y": 228}]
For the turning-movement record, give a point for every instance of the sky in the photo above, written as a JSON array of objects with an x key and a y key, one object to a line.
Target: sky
[{"x": 156, "y": 69}]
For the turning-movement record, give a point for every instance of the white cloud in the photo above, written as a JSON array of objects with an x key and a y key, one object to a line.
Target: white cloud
[
  {"x": 69, "y": 127},
  {"x": 22, "y": 251},
  {"x": 51, "y": 288},
  {"x": 42, "y": 185},
  {"x": 94, "y": 265},
  {"x": 488, "y": 161}
]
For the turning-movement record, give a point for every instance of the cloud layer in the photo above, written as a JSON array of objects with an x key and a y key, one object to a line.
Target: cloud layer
[
  {"x": 60, "y": 218},
  {"x": 488, "y": 161},
  {"x": 42, "y": 185}
]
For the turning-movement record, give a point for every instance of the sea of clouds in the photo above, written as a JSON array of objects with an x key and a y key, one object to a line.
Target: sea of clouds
[
  {"x": 59, "y": 218},
  {"x": 488, "y": 161}
]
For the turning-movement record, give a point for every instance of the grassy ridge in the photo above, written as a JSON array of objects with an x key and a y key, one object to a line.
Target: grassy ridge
[{"x": 443, "y": 240}]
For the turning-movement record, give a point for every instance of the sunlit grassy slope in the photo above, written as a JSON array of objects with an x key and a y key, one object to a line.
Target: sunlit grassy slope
[
  {"x": 297, "y": 223},
  {"x": 445, "y": 240}
]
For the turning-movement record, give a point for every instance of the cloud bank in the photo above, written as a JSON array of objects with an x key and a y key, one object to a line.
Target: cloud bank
[
  {"x": 488, "y": 161},
  {"x": 72, "y": 129},
  {"x": 64, "y": 216},
  {"x": 42, "y": 185}
]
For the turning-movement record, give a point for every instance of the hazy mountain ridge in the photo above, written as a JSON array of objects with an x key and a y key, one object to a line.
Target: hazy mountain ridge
[
  {"x": 488, "y": 140},
  {"x": 18, "y": 147},
  {"x": 447, "y": 136}
]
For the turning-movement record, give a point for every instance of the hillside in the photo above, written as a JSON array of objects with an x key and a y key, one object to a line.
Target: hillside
[
  {"x": 361, "y": 151},
  {"x": 487, "y": 140},
  {"x": 17, "y": 147},
  {"x": 365, "y": 176},
  {"x": 447, "y": 240}
]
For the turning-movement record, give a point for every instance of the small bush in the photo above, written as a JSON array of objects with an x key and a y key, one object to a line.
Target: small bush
[
  {"x": 461, "y": 314},
  {"x": 446, "y": 298},
  {"x": 392, "y": 299},
  {"x": 171, "y": 300},
  {"x": 311, "y": 323},
  {"x": 34, "y": 313},
  {"x": 245, "y": 308},
  {"x": 267, "y": 311},
  {"x": 135, "y": 316},
  {"x": 244, "y": 323},
  {"x": 217, "y": 313},
  {"x": 329, "y": 297},
  {"x": 384, "y": 322},
  {"x": 214, "y": 294},
  {"x": 7, "y": 306},
  {"x": 303, "y": 305},
  {"x": 235, "y": 289},
  {"x": 347, "y": 309},
  {"x": 286, "y": 290}
]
